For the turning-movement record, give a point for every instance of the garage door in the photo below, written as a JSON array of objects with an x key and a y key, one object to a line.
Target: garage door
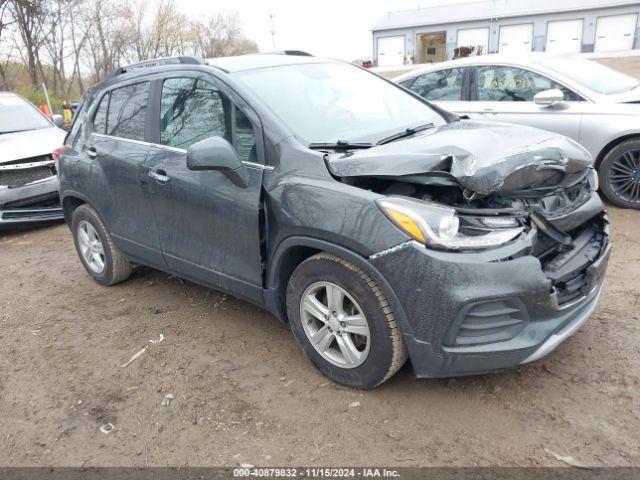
[
  {"x": 390, "y": 51},
  {"x": 564, "y": 36},
  {"x": 516, "y": 38},
  {"x": 615, "y": 32},
  {"x": 474, "y": 37}
]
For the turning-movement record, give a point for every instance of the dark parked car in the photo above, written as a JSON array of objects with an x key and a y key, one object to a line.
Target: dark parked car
[
  {"x": 379, "y": 226},
  {"x": 28, "y": 182}
]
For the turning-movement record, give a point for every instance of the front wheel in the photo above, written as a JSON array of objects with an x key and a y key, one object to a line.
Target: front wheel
[
  {"x": 619, "y": 174},
  {"x": 343, "y": 322}
]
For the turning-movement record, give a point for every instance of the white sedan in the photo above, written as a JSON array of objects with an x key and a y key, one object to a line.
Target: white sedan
[{"x": 582, "y": 99}]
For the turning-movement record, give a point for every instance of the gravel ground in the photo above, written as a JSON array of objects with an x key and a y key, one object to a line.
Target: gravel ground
[{"x": 243, "y": 392}]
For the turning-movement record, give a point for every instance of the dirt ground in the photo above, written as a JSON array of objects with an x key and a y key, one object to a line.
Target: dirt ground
[
  {"x": 244, "y": 393},
  {"x": 629, "y": 65}
]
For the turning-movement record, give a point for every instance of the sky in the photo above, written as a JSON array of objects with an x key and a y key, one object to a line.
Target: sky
[{"x": 330, "y": 28}]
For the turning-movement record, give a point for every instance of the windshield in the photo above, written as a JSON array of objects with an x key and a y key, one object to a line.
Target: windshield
[
  {"x": 327, "y": 102},
  {"x": 16, "y": 115},
  {"x": 593, "y": 75}
]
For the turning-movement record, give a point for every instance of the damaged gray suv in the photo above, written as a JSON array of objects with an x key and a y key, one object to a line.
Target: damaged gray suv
[{"x": 379, "y": 226}]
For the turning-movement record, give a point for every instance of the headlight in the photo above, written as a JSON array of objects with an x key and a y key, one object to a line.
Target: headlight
[{"x": 438, "y": 226}]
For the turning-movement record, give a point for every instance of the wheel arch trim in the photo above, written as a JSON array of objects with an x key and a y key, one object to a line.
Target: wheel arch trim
[
  {"x": 71, "y": 194},
  {"x": 274, "y": 296},
  {"x": 613, "y": 143}
]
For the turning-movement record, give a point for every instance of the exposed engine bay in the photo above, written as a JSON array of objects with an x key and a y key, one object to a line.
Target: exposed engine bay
[{"x": 533, "y": 184}]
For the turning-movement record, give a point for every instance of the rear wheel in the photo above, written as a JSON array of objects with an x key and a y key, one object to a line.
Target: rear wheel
[
  {"x": 619, "y": 174},
  {"x": 343, "y": 322},
  {"x": 102, "y": 259}
]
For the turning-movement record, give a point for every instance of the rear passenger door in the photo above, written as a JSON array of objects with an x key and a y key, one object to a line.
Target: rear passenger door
[
  {"x": 448, "y": 88},
  {"x": 118, "y": 148},
  {"x": 209, "y": 228}
]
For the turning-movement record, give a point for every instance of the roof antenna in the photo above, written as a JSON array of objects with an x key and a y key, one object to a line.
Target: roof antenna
[{"x": 273, "y": 31}]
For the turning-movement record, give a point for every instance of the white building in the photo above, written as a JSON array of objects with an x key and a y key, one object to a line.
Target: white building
[{"x": 562, "y": 26}]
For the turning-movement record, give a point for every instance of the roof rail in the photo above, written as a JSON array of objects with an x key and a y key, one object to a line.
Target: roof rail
[
  {"x": 156, "y": 62},
  {"x": 295, "y": 53}
]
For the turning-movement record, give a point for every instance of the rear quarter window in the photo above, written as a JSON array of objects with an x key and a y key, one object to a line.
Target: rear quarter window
[{"x": 100, "y": 118}]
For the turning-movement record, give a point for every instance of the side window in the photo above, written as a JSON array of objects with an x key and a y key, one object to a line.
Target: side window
[
  {"x": 100, "y": 118},
  {"x": 442, "y": 85},
  {"x": 245, "y": 138},
  {"x": 128, "y": 111},
  {"x": 511, "y": 84},
  {"x": 192, "y": 110}
]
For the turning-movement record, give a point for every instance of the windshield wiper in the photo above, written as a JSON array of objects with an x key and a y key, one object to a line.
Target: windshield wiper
[
  {"x": 339, "y": 145},
  {"x": 405, "y": 133}
]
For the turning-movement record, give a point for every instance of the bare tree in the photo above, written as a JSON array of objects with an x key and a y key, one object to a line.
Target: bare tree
[
  {"x": 5, "y": 50},
  {"x": 157, "y": 31},
  {"x": 221, "y": 36},
  {"x": 31, "y": 18},
  {"x": 69, "y": 43},
  {"x": 103, "y": 27}
]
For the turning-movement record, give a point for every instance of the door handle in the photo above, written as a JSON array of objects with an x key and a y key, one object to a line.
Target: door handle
[
  {"x": 92, "y": 152},
  {"x": 159, "y": 176}
]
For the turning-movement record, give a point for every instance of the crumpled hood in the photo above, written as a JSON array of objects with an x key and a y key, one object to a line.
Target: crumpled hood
[
  {"x": 482, "y": 156},
  {"x": 30, "y": 143}
]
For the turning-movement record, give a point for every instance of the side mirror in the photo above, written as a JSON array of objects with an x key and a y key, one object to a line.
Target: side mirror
[
  {"x": 215, "y": 153},
  {"x": 58, "y": 120},
  {"x": 549, "y": 98}
]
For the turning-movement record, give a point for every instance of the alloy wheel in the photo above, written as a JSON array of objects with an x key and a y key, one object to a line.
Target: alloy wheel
[
  {"x": 91, "y": 246},
  {"x": 624, "y": 176},
  {"x": 335, "y": 324}
]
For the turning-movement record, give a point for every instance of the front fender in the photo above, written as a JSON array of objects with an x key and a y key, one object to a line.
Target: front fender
[{"x": 274, "y": 293}]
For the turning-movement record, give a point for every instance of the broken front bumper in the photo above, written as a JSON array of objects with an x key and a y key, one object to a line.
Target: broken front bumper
[
  {"x": 34, "y": 202},
  {"x": 471, "y": 313}
]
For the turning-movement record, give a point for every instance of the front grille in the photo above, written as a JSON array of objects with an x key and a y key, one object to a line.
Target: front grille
[
  {"x": 16, "y": 215},
  {"x": 488, "y": 322},
  {"x": 568, "y": 267},
  {"x": 572, "y": 289},
  {"x": 19, "y": 177},
  {"x": 40, "y": 201},
  {"x": 22, "y": 161}
]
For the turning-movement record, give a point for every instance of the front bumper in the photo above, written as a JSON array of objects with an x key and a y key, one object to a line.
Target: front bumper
[
  {"x": 34, "y": 202},
  {"x": 472, "y": 313}
]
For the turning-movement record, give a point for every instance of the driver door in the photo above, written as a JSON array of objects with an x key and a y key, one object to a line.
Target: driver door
[{"x": 208, "y": 227}]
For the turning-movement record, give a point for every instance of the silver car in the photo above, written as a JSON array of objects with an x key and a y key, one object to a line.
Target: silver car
[
  {"x": 582, "y": 99},
  {"x": 28, "y": 182}
]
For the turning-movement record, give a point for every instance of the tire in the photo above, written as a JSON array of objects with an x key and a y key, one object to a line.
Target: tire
[
  {"x": 379, "y": 354},
  {"x": 619, "y": 174},
  {"x": 115, "y": 268}
]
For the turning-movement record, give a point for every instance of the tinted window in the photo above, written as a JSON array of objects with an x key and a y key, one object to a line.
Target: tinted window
[
  {"x": 442, "y": 85},
  {"x": 510, "y": 84},
  {"x": 245, "y": 141},
  {"x": 128, "y": 111},
  {"x": 100, "y": 118},
  {"x": 192, "y": 110}
]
